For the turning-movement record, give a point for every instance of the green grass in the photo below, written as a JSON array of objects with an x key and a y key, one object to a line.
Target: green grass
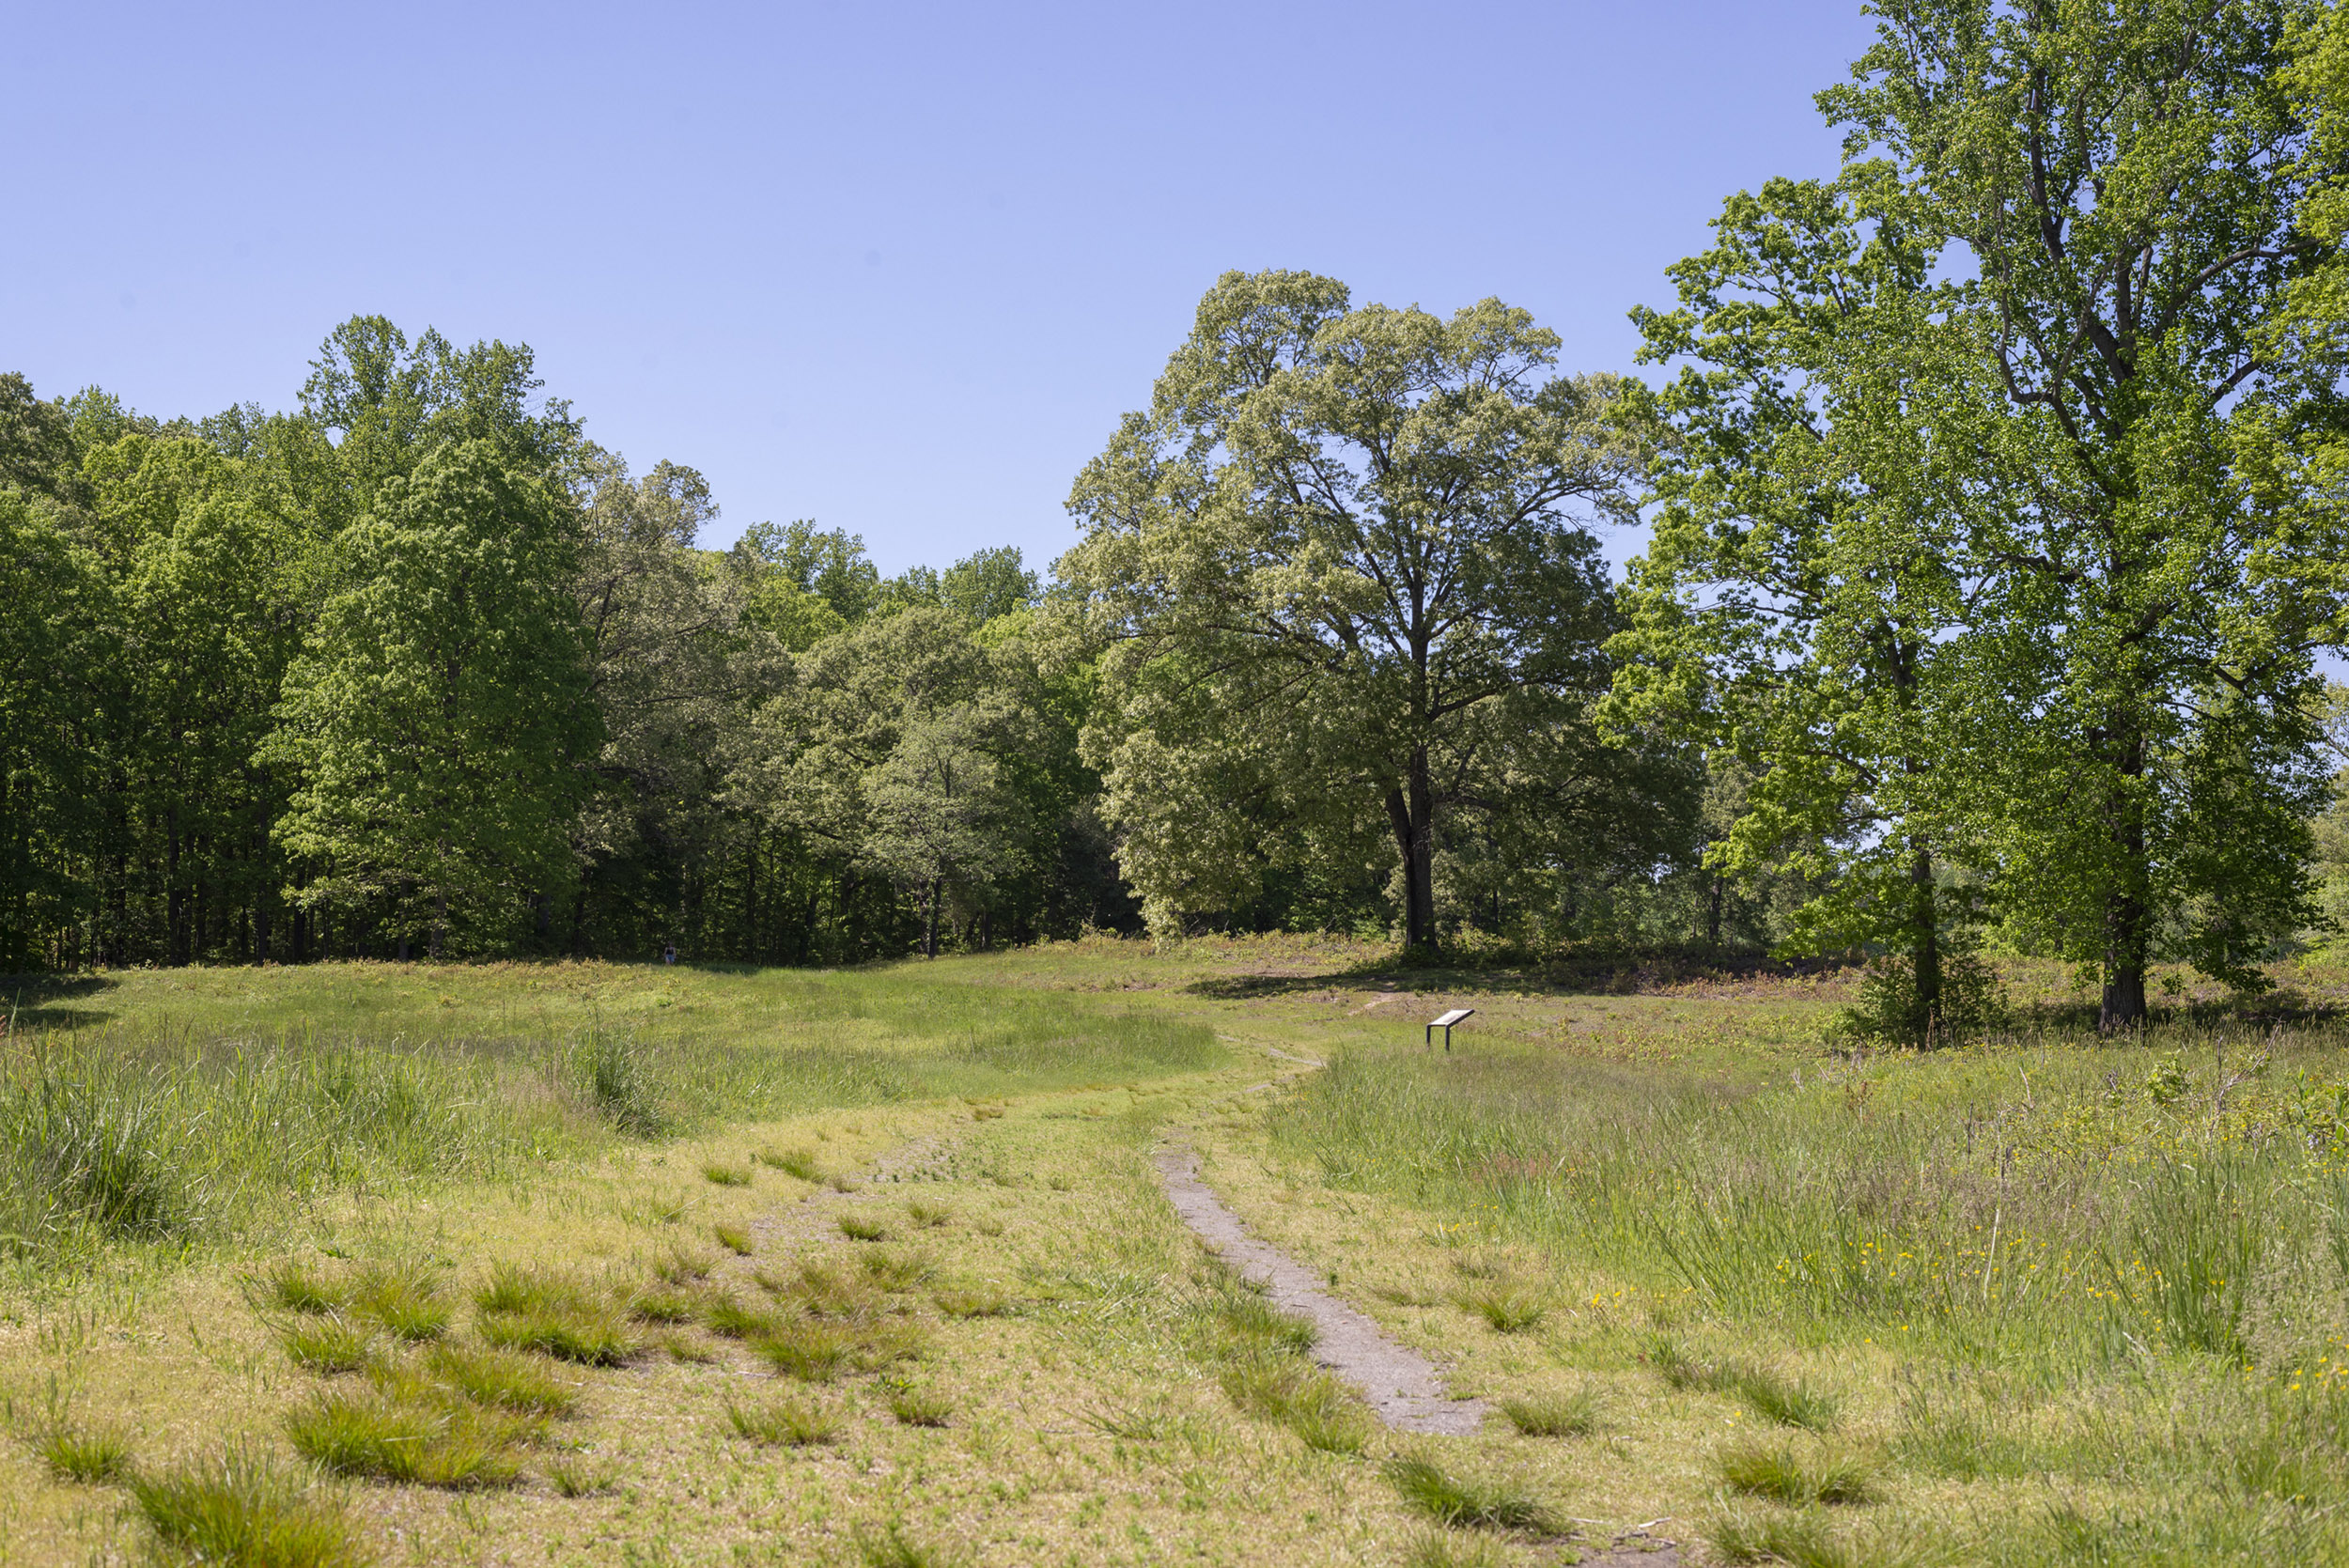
[
  {"x": 891, "y": 1270},
  {"x": 555, "y": 1314},
  {"x": 890, "y": 1546},
  {"x": 968, "y": 1301},
  {"x": 1783, "y": 1472},
  {"x": 785, "y": 1422},
  {"x": 809, "y": 1349},
  {"x": 179, "y": 1104},
  {"x": 860, "y": 1226},
  {"x": 246, "y": 1511},
  {"x": 916, "y": 1405},
  {"x": 573, "y": 1476},
  {"x": 734, "y": 1238},
  {"x": 502, "y": 1380},
  {"x": 85, "y": 1455},
  {"x": 328, "y": 1344},
  {"x": 793, "y": 1162},
  {"x": 384, "y": 1437},
  {"x": 1554, "y": 1414},
  {"x": 719, "y": 1173},
  {"x": 1509, "y": 1306},
  {"x": 1476, "y": 1502}
]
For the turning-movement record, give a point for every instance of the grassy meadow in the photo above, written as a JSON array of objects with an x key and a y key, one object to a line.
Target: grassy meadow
[{"x": 622, "y": 1264}]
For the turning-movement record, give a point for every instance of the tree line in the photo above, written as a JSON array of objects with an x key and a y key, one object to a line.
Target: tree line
[{"x": 1995, "y": 487}]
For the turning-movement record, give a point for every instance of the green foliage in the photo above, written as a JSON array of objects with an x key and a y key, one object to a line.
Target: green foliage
[
  {"x": 440, "y": 716},
  {"x": 1968, "y": 1002},
  {"x": 1346, "y": 613}
]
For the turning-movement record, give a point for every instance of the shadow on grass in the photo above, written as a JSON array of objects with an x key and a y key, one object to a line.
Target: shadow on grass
[
  {"x": 44, "y": 1001},
  {"x": 1597, "y": 974}
]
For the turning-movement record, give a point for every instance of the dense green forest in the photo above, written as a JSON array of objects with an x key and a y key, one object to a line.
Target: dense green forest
[{"x": 1995, "y": 488}]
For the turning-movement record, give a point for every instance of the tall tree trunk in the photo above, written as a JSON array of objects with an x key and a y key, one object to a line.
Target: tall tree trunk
[
  {"x": 929, "y": 941},
  {"x": 1411, "y": 813},
  {"x": 1924, "y": 925},
  {"x": 175, "y": 900},
  {"x": 2129, "y": 924}
]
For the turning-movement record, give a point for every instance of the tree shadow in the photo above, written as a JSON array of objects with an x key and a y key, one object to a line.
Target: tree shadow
[
  {"x": 29, "y": 1002},
  {"x": 1620, "y": 974}
]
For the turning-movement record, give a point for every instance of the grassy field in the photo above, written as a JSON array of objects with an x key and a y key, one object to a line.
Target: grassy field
[{"x": 631, "y": 1265}]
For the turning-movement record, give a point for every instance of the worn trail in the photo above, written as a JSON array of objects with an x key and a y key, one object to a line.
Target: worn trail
[{"x": 1402, "y": 1386}]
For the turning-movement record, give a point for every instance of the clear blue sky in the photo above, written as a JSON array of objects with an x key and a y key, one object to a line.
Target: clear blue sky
[{"x": 897, "y": 267}]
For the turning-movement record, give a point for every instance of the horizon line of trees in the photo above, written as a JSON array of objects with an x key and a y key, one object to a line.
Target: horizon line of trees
[{"x": 1997, "y": 484}]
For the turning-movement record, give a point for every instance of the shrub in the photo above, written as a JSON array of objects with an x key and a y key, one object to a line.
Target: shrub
[
  {"x": 247, "y": 1512},
  {"x": 1972, "y": 1003}
]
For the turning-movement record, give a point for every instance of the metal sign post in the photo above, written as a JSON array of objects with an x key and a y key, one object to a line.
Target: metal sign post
[{"x": 1445, "y": 1024}]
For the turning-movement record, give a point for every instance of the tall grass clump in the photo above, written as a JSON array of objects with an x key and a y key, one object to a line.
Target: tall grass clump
[{"x": 247, "y": 1511}]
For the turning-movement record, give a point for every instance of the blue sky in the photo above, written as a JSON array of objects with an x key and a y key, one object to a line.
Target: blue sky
[{"x": 897, "y": 267}]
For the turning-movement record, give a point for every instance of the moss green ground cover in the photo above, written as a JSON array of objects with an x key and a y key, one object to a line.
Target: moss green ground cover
[{"x": 616, "y": 1265}]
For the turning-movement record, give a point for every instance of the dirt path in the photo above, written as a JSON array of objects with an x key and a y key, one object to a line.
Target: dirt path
[{"x": 1402, "y": 1386}]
